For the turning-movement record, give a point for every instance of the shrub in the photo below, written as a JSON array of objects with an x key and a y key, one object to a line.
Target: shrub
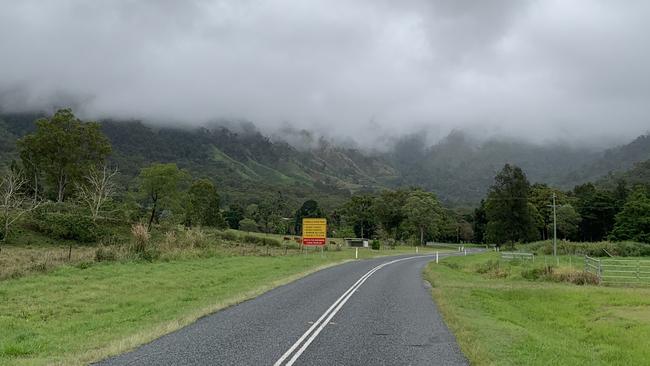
[
  {"x": 576, "y": 277},
  {"x": 141, "y": 238},
  {"x": 105, "y": 254},
  {"x": 248, "y": 225},
  {"x": 227, "y": 235},
  {"x": 537, "y": 272},
  {"x": 69, "y": 226},
  {"x": 595, "y": 249},
  {"x": 195, "y": 238},
  {"x": 492, "y": 268},
  {"x": 375, "y": 245}
]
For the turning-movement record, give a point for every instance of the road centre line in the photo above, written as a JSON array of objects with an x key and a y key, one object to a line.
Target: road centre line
[{"x": 324, "y": 319}]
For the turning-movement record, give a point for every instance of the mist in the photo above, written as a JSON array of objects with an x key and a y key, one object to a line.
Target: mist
[{"x": 365, "y": 70}]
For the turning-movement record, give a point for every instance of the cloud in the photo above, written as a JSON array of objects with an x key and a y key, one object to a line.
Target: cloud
[{"x": 369, "y": 69}]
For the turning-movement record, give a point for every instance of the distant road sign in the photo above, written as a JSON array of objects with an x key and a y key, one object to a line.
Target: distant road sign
[{"x": 314, "y": 231}]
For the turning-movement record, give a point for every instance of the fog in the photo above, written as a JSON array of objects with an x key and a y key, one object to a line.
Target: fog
[{"x": 366, "y": 70}]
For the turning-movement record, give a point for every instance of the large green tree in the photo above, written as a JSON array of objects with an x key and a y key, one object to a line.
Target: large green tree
[
  {"x": 63, "y": 148},
  {"x": 203, "y": 205},
  {"x": 541, "y": 196},
  {"x": 423, "y": 213},
  {"x": 568, "y": 222},
  {"x": 507, "y": 208},
  {"x": 161, "y": 187},
  {"x": 633, "y": 222},
  {"x": 479, "y": 224},
  {"x": 308, "y": 209},
  {"x": 234, "y": 215},
  {"x": 358, "y": 212},
  {"x": 598, "y": 209},
  {"x": 388, "y": 209}
]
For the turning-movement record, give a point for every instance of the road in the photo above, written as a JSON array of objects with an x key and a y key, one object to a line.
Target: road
[{"x": 370, "y": 312}]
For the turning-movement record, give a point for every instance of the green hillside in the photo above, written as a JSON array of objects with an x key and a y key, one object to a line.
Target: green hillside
[{"x": 248, "y": 165}]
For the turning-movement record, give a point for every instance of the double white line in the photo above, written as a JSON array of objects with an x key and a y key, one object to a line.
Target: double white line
[{"x": 313, "y": 331}]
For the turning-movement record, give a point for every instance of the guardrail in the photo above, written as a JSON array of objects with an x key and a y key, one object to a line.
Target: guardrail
[
  {"x": 517, "y": 255},
  {"x": 619, "y": 271}
]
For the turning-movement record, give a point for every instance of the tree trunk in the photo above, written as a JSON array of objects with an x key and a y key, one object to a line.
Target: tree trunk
[
  {"x": 61, "y": 188},
  {"x": 153, "y": 213},
  {"x": 421, "y": 236}
]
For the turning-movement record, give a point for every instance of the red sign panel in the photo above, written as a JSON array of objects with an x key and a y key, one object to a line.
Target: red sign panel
[{"x": 313, "y": 241}]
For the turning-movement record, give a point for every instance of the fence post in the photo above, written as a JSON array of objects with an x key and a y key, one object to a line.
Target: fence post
[
  {"x": 586, "y": 264},
  {"x": 638, "y": 271},
  {"x": 600, "y": 271}
]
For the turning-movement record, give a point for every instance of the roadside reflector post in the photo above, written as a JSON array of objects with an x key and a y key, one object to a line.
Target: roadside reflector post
[
  {"x": 436, "y": 257},
  {"x": 356, "y": 253},
  {"x": 417, "y": 250}
]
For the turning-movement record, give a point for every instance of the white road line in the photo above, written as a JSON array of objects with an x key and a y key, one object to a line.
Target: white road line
[{"x": 324, "y": 319}]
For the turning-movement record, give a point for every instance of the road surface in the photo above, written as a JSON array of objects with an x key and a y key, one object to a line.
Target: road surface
[{"x": 370, "y": 312}]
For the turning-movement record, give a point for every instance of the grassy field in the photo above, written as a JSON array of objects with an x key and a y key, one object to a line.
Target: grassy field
[
  {"x": 79, "y": 313},
  {"x": 501, "y": 318}
]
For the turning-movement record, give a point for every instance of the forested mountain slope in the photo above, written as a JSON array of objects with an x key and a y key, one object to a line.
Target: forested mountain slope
[{"x": 248, "y": 165}]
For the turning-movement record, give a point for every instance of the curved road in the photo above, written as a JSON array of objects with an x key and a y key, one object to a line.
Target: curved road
[{"x": 370, "y": 312}]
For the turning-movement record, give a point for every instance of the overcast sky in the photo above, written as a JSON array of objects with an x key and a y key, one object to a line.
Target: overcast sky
[{"x": 542, "y": 69}]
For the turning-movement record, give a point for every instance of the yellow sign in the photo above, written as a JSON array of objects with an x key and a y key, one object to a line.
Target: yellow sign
[{"x": 314, "y": 231}]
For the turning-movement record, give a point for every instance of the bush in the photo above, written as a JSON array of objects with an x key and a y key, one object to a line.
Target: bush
[
  {"x": 375, "y": 245},
  {"x": 248, "y": 225},
  {"x": 227, "y": 235},
  {"x": 576, "y": 277},
  {"x": 141, "y": 238},
  {"x": 105, "y": 254},
  {"x": 596, "y": 249},
  {"x": 59, "y": 224},
  {"x": 536, "y": 273},
  {"x": 492, "y": 268}
]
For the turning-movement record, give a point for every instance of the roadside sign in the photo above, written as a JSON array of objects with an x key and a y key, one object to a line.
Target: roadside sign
[{"x": 314, "y": 231}]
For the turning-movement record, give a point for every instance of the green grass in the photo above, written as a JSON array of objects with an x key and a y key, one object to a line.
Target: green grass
[
  {"x": 78, "y": 314},
  {"x": 513, "y": 321}
]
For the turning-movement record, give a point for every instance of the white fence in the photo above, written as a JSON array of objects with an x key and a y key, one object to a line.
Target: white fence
[{"x": 619, "y": 271}]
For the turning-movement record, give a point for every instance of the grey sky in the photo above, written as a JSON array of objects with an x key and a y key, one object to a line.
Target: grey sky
[{"x": 366, "y": 68}]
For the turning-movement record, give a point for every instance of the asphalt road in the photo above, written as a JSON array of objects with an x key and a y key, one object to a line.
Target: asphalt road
[{"x": 336, "y": 316}]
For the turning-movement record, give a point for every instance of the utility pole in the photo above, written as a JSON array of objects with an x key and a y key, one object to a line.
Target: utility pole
[{"x": 554, "y": 228}]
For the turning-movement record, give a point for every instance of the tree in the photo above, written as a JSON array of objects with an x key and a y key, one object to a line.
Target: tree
[
  {"x": 541, "y": 196},
  {"x": 203, "y": 205},
  {"x": 13, "y": 202},
  {"x": 389, "y": 212},
  {"x": 97, "y": 190},
  {"x": 248, "y": 225},
  {"x": 507, "y": 209},
  {"x": 480, "y": 223},
  {"x": 63, "y": 148},
  {"x": 308, "y": 209},
  {"x": 358, "y": 213},
  {"x": 423, "y": 213},
  {"x": 160, "y": 186},
  {"x": 568, "y": 222},
  {"x": 234, "y": 215},
  {"x": 597, "y": 209},
  {"x": 633, "y": 222}
]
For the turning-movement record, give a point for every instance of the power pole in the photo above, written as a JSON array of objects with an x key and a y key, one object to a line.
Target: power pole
[{"x": 554, "y": 228}]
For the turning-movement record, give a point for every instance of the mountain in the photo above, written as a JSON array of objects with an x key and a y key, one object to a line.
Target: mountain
[
  {"x": 638, "y": 174},
  {"x": 248, "y": 166},
  {"x": 461, "y": 169},
  {"x": 614, "y": 160}
]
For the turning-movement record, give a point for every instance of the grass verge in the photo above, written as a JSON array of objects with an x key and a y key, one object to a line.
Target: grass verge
[{"x": 508, "y": 320}]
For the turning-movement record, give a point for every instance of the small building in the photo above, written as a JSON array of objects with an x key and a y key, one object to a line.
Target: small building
[{"x": 357, "y": 242}]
